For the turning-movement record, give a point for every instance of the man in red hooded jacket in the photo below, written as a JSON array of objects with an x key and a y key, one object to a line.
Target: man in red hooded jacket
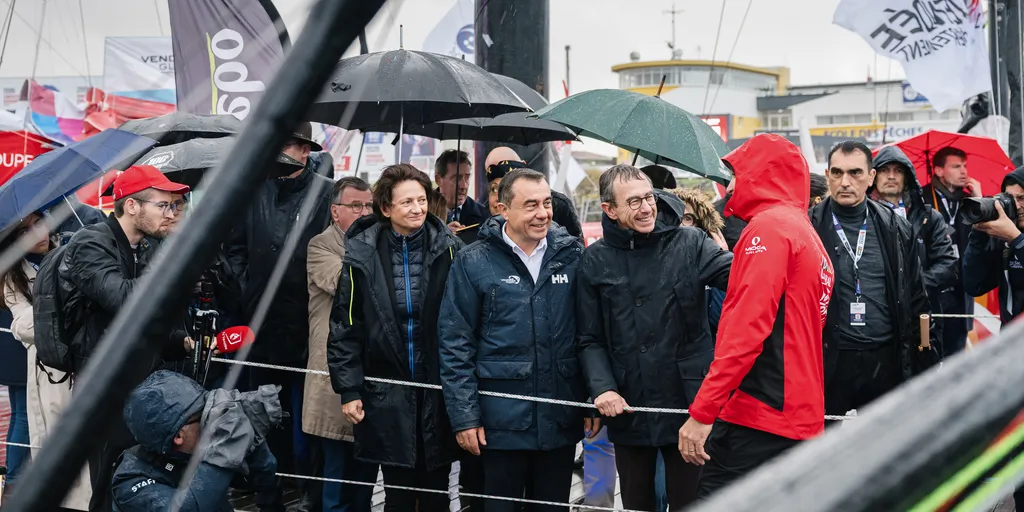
[{"x": 765, "y": 389}]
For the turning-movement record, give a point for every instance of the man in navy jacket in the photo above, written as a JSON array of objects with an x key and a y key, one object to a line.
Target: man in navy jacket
[{"x": 508, "y": 325}]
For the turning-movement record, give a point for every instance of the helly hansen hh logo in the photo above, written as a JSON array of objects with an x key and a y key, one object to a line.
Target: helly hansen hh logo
[{"x": 560, "y": 279}]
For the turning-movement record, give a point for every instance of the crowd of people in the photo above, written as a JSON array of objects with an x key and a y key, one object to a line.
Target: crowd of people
[{"x": 796, "y": 296}]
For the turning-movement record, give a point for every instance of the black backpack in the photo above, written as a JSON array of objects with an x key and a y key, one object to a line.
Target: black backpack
[{"x": 53, "y": 346}]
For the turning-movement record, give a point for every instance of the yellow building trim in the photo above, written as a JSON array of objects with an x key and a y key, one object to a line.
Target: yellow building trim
[
  {"x": 781, "y": 73},
  {"x": 698, "y": 63},
  {"x": 651, "y": 90}
]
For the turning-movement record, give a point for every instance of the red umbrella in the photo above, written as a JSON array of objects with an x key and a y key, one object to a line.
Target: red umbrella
[{"x": 986, "y": 161}]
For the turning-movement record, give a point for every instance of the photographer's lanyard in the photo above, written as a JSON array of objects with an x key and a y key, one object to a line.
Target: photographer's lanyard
[
  {"x": 949, "y": 211},
  {"x": 858, "y": 309},
  {"x": 898, "y": 208}
]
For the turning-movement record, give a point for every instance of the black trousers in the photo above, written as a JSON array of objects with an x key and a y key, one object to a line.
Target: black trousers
[
  {"x": 636, "y": 466},
  {"x": 736, "y": 451},
  {"x": 405, "y": 501},
  {"x": 103, "y": 462},
  {"x": 860, "y": 377},
  {"x": 471, "y": 480},
  {"x": 540, "y": 475}
]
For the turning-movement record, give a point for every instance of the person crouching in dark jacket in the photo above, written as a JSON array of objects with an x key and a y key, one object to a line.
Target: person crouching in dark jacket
[
  {"x": 166, "y": 414},
  {"x": 643, "y": 338},
  {"x": 872, "y": 332},
  {"x": 384, "y": 324},
  {"x": 896, "y": 186},
  {"x": 508, "y": 325}
]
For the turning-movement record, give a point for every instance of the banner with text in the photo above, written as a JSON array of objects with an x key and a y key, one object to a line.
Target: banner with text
[
  {"x": 140, "y": 68},
  {"x": 940, "y": 43},
  {"x": 225, "y": 52}
]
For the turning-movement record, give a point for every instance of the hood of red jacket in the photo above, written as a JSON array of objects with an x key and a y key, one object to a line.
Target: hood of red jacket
[{"x": 769, "y": 171}]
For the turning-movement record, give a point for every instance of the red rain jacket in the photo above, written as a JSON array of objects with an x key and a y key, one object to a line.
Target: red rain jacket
[{"x": 767, "y": 373}]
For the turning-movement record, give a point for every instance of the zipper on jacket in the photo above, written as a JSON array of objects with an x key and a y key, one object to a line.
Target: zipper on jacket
[{"x": 408, "y": 304}]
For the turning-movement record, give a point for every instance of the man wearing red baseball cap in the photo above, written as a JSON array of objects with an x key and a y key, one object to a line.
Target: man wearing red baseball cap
[{"x": 101, "y": 266}]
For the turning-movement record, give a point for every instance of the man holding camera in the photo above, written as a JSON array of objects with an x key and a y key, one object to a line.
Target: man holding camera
[
  {"x": 995, "y": 251},
  {"x": 167, "y": 414},
  {"x": 946, "y": 193}
]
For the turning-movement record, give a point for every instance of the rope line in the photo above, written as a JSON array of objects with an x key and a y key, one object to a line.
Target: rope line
[
  {"x": 458, "y": 493},
  {"x": 555, "y": 401},
  {"x": 414, "y": 489}
]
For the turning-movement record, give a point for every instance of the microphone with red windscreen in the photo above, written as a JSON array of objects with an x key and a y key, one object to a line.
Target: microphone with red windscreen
[
  {"x": 233, "y": 339},
  {"x": 230, "y": 340}
]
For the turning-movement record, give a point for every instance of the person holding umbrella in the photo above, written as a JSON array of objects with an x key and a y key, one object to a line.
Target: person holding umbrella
[
  {"x": 253, "y": 250},
  {"x": 384, "y": 323}
]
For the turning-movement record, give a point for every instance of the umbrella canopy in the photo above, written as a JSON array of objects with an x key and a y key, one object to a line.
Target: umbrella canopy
[
  {"x": 187, "y": 162},
  {"x": 514, "y": 128},
  {"x": 529, "y": 95},
  {"x": 54, "y": 175},
  {"x": 178, "y": 127},
  {"x": 650, "y": 126},
  {"x": 389, "y": 88},
  {"x": 986, "y": 160}
]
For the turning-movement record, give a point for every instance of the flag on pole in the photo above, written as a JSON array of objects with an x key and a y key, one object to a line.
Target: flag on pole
[
  {"x": 940, "y": 43},
  {"x": 453, "y": 35}
]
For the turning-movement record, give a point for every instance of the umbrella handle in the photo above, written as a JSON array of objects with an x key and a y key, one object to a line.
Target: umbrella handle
[{"x": 635, "y": 155}]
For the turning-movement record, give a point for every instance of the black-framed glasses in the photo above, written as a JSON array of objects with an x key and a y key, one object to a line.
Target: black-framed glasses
[
  {"x": 164, "y": 206},
  {"x": 357, "y": 207},
  {"x": 634, "y": 202}
]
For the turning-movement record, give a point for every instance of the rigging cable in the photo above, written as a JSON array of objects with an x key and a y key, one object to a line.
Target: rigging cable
[
  {"x": 731, "y": 51},
  {"x": 85, "y": 43},
  {"x": 714, "y": 50}
]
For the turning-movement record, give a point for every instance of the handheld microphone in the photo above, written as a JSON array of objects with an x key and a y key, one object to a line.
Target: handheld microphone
[
  {"x": 230, "y": 340},
  {"x": 233, "y": 339}
]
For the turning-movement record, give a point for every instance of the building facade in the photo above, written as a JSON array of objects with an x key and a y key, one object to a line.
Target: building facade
[{"x": 739, "y": 101}]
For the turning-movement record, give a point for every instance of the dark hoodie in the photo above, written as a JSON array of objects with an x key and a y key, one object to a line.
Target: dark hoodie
[
  {"x": 641, "y": 327},
  {"x": 768, "y": 371},
  {"x": 935, "y": 247},
  {"x": 989, "y": 263},
  {"x": 148, "y": 474}
]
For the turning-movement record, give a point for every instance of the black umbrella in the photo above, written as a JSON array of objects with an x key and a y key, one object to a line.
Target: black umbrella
[
  {"x": 405, "y": 86},
  {"x": 514, "y": 128},
  {"x": 187, "y": 162},
  {"x": 178, "y": 127},
  {"x": 529, "y": 95}
]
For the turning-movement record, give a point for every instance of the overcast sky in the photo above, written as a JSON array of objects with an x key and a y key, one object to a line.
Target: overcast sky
[{"x": 794, "y": 33}]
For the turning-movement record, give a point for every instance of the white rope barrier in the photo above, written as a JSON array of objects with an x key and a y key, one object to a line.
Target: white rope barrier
[
  {"x": 567, "y": 403},
  {"x": 974, "y": 315},
  {"x": 450, "y": 494}
]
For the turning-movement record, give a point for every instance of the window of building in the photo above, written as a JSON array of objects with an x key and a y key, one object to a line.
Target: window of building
[
  {"x": 862, "y": 118},
  {"x": 891, "y": 117}
]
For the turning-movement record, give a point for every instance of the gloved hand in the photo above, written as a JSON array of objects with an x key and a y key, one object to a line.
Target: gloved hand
[{"x": 229, "y": 435}]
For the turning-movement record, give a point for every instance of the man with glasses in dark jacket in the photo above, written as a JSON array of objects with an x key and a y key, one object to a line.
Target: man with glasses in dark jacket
[
  {"x": 643, "y": 336},
  {"x": 101, "y": 266},
  {"x": 508, "y": 325}
]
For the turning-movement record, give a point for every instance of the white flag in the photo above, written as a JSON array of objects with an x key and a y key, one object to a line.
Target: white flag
[
  {"x": 453, "y": 35},
  {"x": 940, "y": 43}
]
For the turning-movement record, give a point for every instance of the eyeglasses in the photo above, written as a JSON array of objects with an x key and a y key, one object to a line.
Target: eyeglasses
[
  {"x": 164, "y": 206},
  {"x": 357, "y": 207},
  {"x": 634, "y": 202}
]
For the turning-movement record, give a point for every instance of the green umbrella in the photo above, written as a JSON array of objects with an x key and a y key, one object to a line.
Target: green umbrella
[{"x": 646, "y": 125}]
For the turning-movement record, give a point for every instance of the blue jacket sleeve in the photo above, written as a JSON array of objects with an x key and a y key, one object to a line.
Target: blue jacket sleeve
[
  {"x": 460, "y": 321},
  {"x": 982, "y": 264},
  {"x": 208, "y": 492}
]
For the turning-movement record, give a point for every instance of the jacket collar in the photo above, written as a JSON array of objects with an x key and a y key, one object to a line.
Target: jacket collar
[
  {"x": 123, "y": 245},
  {"x": 362, "y": 236},
  {"x": 558, "y": 238}
]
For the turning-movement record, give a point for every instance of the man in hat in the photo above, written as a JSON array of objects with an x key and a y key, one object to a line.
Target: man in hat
[
  {"x": 502, "y": 160},
  {"x": 101, "y": 266},
  {"x": 256, "y": 244}
]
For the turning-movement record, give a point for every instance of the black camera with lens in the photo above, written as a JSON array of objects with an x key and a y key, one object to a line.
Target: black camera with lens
[{"x": 983, "y": 209}]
